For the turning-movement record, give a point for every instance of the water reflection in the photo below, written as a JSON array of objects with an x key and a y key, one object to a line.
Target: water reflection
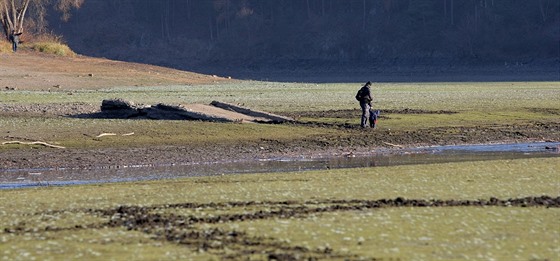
[{"x": 10, "y": 179}]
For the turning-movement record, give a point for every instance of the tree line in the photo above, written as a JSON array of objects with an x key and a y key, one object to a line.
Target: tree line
[
  {"x": 327, "y": 31},
  {"x": 18, "y": 15}
]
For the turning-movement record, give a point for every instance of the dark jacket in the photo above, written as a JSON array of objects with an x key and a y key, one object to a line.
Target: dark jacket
[
  {"x": 364, "y": 94},
  {"x": 15, "y": 37}
]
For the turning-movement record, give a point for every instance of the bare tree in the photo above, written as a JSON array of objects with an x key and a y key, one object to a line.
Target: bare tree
[
  {"x": 65, "y": 6},
  {"x": 13, "y": 12}
]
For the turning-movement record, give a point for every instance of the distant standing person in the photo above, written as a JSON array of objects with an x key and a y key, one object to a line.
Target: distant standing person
[
  {"x": 15, "y": 40},
  {"x": 364, "y": 97}
]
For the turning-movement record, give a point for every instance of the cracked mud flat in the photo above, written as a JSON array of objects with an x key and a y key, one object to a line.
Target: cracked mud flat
[{"x": 197, "y": 233}]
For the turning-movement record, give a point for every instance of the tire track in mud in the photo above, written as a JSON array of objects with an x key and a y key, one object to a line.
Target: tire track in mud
[{"x": 162, "y": 224}]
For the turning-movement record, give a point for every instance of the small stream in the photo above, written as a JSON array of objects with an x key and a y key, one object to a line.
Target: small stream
[{"x": 18, "y": 178}]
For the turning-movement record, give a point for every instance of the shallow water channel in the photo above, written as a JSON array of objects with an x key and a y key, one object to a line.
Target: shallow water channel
[{"x": 24, "y": 178}]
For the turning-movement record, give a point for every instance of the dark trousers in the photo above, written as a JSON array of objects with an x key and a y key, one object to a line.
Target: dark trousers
[
  {"x": 373, "y": 115},
  {"x": 365, "y": 113}
]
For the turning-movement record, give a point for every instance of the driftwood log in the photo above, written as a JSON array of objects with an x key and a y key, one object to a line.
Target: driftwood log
[
  {"x": 254, "y": 113},
  {"x": 113, "y": 134},
  {"x": 178, "y": 112},
  {"x": 33, "y": 143}
]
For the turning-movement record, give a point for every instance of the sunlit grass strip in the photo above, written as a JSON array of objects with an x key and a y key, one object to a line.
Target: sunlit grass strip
[
  {"x": 294, "y": 97},
  {"x": 82, "y": 133}
]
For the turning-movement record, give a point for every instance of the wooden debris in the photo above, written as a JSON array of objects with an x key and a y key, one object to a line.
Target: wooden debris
[
  {"x": 215, "y": 112},
  {"x": 391, "y": 144},
  {"x": 251, "y": 112},
  {"x": 105, "y": 134},
  {"x": 33, "y": 143},
  {"x": 113, "y": 134},
  {"x": 166, "y": 111}
]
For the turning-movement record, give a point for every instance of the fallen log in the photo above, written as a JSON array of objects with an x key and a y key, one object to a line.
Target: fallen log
[
  {"x": 254, "y": 113},
  {"x": 161, "y": 110},
  {"x": 105, "y": 134},
  {"x": 113, "y": 134},
  {"x": 394, "y": 145}
]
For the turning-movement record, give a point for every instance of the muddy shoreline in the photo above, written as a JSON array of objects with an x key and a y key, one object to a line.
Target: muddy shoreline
[
  {"x": 354, "y": 141},
  {"x": 51, "y": 158}
]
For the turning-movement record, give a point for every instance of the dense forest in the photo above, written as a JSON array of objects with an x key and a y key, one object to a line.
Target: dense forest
[{"x": 306, "y": 33}]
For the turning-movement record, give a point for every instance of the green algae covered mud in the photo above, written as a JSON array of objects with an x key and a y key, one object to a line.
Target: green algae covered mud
[
  {"x": 500, "y": 209},
  {"x": 327, "y": 120}
]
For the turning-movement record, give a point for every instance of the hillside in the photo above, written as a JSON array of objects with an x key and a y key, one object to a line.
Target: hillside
[
  {"x": 35, "y": 71},
  {"x": 259, "y": 39}
]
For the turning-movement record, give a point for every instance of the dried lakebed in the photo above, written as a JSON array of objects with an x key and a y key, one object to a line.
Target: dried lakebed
[{"x": 24, "y": 178}]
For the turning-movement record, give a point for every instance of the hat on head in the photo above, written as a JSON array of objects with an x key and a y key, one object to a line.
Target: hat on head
[{"x": 368, "y": 83}]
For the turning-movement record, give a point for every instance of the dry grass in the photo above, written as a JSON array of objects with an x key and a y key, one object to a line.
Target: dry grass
[
  {"x": 5, "y": 47},
  {"x": 51, "y": 48}
]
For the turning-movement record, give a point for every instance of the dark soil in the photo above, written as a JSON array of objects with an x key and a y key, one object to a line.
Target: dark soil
[
  {"x": 356, "y": 141},
  {"x": 163, "y": 224}
]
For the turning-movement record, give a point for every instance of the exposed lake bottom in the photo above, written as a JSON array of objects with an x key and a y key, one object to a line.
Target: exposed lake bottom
[{"x": 26, "y": 178}]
